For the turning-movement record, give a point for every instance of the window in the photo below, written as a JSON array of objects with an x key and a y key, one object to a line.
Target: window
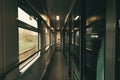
[
  {"x": 28, "y": 43},
  {"x": 24, "y": 17},
  {"x": 29, "y": 39}
]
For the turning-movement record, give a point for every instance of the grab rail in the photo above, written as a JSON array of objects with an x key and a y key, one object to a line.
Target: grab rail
[{"x": 2, "y": 76}]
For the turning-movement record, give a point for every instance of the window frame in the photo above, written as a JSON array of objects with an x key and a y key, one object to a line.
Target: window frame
[{"x": 26, "y": 26}]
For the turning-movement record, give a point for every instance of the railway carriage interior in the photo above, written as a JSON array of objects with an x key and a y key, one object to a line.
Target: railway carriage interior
[{"x": 59, "y": 40}]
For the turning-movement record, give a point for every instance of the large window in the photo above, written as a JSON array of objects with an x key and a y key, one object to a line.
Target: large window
[
  {"x": 29, "y": 39},
  {"x": 28, "y": 43}
]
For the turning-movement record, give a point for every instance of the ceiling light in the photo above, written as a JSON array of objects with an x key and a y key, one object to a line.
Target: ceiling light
[
  {"x": 58, "y": 28},
  {"x": 57, "y": 18},
  {"x": 77, "y": 17},
  {"x": 95, "y": 35}
]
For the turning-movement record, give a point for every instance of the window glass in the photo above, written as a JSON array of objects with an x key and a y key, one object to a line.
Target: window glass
[
  {"x": 28, "y": 43},
  {"x": 27, "y": 39},
  {"x": 24, "y": 17}
]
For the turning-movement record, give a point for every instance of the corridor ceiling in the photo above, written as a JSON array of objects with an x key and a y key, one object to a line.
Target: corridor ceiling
[
  {"x": 53, "y": 8},
  {"x": 62, "y": 8}
]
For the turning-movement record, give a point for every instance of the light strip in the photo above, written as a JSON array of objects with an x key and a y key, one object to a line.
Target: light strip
[
  {"x": 77, "y": 17},
  {"x": 57, "y": 18},
  {"x": 94, "y": 36}
]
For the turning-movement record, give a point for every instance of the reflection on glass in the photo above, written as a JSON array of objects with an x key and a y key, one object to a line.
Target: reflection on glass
[
  {"x": 88, "y": 38},
  {"x": 77, "y": 42},
  {"x": 28, "y": 43},
  {"x": 95, "y": 53}
]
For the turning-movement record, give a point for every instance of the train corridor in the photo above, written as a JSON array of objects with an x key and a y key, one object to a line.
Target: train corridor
[
  {"x": 57, "y": 70},
  {"x": 59, "y": 40}
]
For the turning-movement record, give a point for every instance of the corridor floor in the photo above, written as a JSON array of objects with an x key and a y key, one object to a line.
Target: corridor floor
[{"x": 57, "y": 69}]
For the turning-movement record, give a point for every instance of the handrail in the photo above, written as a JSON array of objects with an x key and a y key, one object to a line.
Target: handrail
[
  {"x": 2, "y": 76},
  {"x": 33, "y": 55}
]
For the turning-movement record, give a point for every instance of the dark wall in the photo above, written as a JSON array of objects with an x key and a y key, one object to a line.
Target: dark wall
[{"x": 8, "y": 37}]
